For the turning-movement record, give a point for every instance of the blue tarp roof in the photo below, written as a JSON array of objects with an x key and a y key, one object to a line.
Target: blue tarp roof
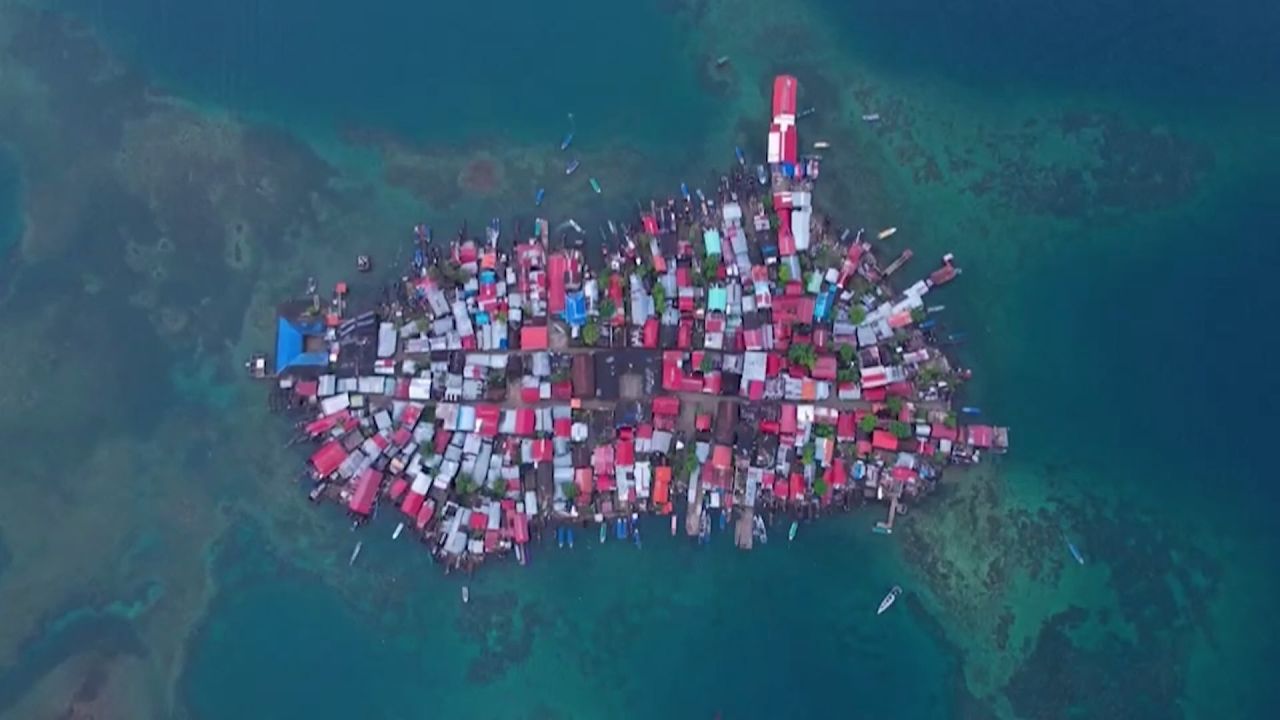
[
  {"x": 289, "y": 345},
  {"x": 575, "y": 309}
]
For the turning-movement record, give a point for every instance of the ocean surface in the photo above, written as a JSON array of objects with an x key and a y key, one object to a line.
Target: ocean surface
[{"x": 1105, "y": 176}]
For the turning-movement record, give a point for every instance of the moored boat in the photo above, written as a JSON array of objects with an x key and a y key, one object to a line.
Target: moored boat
[
  {"x": 568, "y": 536},
  {"x": 537, "y": 198},
  {"x": 821, "y": 145},
  {"x": 673, "y": 525},
  {"x": 603, "y": 531},
  {"x": 560, "y": 537},
  {"x": 466, "y": 595},
  {"x": 762, "y": 175},
  {"x": 571, "y": 166},
  {"x": 795, "y": 528},
  {"x": 399, "y": 529},
  {"x": 742, "y": 157},
  {"x": 1075, "y": 551},
  {"x": 871, "y": 117},
  {"x": 493, "y": 232},
  {"x": 971, "y": 410},
  {"x": 806, "y": 112},
  {"x": 886, "y": 233},
  {"x": 889, "y": 600},
  {"x": 684, "y": 191},
  {"x": 355, "y": 553},
  {"x": 595, "y": 185}
]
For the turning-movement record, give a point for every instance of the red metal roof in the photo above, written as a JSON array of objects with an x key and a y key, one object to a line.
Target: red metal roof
[
  {"x": 788, "y": 421},
  {"x": 825, "y": 368},
  {"x": 836, "y": 475},
  {"x": 361, "y": 501},
  {"x": 784, "y": 95},
  {"x": 327, "y": 459},
  {"x": 557, "y": 265},
  {"x": 626, "y": 453},
  {"x": 478, "y": 520},
  {"x": 983, "y": 436},
  {"x": 412, "y": 504},
  {"x": 939, "y": 431},
  {"x": 398, "y": 486},
  {"x": 651, "y": 333},
  {"x": 797, "y": 485},
  {"x": 563, "y": 427},
  {"x": 666, "y": 405},
  {"x": 487, "y": 420},
  {"x": 884, "y": 440},
  {"x": 327, "y": 423},
  {"x": 425, "y": 514},
  {"x": 534, "y": 337}
]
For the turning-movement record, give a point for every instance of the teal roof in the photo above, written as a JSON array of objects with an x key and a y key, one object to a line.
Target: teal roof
[
  {"x": 712, "y": 240},
  {"x": 717, "y": 299},
  {"x": 815, "y": 283}
]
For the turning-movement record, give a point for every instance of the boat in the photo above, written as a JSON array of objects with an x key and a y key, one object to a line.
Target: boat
[
  {"x": 704, "y": 528},
  {"x": 560, "y": 537},
  {"x": 821, "y": 145},
  {"x": 537, "y": 198},
  {"x": 889, "y": 600},
  {"x": 871, "y": 117},
  {"x": 882, "y": 529},
  {"x": 795, "y": 528},
  {"x": 759, "y": 530},
  {"x": 806, "y": 113},
  {"x": 742, "y": 157},
  {"x": 399, "y": 529},
  {"x": 886, "y": 233},
  {"x": 604, "y": 530},
  {"x": 971, "y": 410},
  {"x": 520, "y": 553},
  {"x": 355, "y": 553},
  {"x": 620, "y": 529},
  {"x": 595, "y": 185},
  {"x": 571, "y": 166},
  {"x": 494, "y": 231},
  {"x": 928, "y": 324},
  {"x": 722, "y": 61},
  {"x": 568, "y": 139},
  {"x": 466, "y": 595},
  {"x": 935, "y": 308},
  {"x": 762, "y": 175},
  {"x": 673, "y": 525},
  {"x": 613, "y": 229},
  {"x": 635, "y": 534},
  {"x": 1075, "y": 551},
  {"x": 684, "y": 191},
  {"x": 568, "y": 532}
]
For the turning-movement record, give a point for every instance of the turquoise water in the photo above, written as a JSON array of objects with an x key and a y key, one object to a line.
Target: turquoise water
[{"x": 1100, "y": 172}]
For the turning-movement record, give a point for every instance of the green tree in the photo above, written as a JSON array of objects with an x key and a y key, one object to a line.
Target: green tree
[
  {"x": 784, "y": 273},
  {"x": 900, "y": 429},
  {"x": 707, "y": 364},
  {"x": 847, "y": 374},
  {"x": 857, "y": 315},
  {"x": 950, "y": 420},
  {"x": 867, "y": 423},
  {"x": 465, "y": 484},
  {"x": 824, "y": 431},
  {"x": 894, "y": 404},
  {"x": 802, "y": 355},
  {"x": 918, "y": 314},
  {"x": 847, "y": 354},
  {"x": 590, "y": 334},
  {"x": 607, "y": 308},
  {"x": 570, "y": 490},
  {"x": 807, "y": 455},
  {"x": 659, "y": 297},
  {"x": 820, "y": 487},
  {"x": 710, "y": 265}
]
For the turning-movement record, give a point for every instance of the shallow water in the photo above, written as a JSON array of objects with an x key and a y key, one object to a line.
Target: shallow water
[{"x": 1117, "y": 238}]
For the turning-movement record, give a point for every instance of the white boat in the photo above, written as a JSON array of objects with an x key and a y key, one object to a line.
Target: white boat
[
  {"x": 399, "y": 529},
  {"x": 673, "y": 524},
  {"x": 871, "y": 117},
  {"x": 466, "y": 595},
  {"x": 355, "y": 553},
  {"x": 821, "y": 145},
  {"x": 889, "y": 599},
  {"x": 886, "y": 233}
]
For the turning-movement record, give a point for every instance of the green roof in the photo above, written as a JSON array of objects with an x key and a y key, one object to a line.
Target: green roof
[
  {"x": 717, "y": 299},
  {"x": 712, "y": 240}
]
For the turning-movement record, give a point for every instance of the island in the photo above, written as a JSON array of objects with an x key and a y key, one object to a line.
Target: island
[{"x": 732, "y": 360}]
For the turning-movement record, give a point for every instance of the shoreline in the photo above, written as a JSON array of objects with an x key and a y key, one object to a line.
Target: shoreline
[{"x": 732, "y": 353}]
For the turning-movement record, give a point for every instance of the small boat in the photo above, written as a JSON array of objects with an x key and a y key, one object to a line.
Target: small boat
[
  {"x": 355, "y": 553},
  {"x": 684, "y": 191},
  {"x": 928, "y": 324},
  {"x": 971, "y": 410},
  {"x": 399, "y": 529},
  {"x": 886, "y": 233},
  {"x": 560, "y": 537},
  {"x": 701, "y": 198},
  {"x": 613, "y": 229},
  {"x": 569, "y": 537},
  {"x": 595, "y": 185},
  {"x": 871, "y": 117},
  {"x": 759, "y": 530},
  {"x": 494, "y": 231},
  {"x": 806, "y": 113},
  {"x": 821, "y": 145},
  {"x": 466, "y": 595},
  {"x": 935, "y": 308},
  {"x": 568, "y": 139},
  {"x": 317, "y": 490},
  {"x": 537, "y": 198},
  {"x": 742, "y": 157},
  {"x": 1075, "y": 551},
  {"x": 882, "y": 529},
  {"x": 604, "y": 530},
  {"x": 762, "y": 175},
  {"x": 704, "y": 528},
  {"x": 673, "y": 524},
  {"x": 571, "y": 166},
  {"x": 520, "y": 553},
  {"x": 620, "y": 529},
  {"x": 889, "y": 600},
  {"x": 635, "y": 534},
  {"x": 795, "y": 528},
  {"x": 722, "y": 61}
]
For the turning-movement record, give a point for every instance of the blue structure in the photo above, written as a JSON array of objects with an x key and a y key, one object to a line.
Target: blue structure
[
  {"x": 575, "y": 309},
  {"x": 291, "y": 345}
]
